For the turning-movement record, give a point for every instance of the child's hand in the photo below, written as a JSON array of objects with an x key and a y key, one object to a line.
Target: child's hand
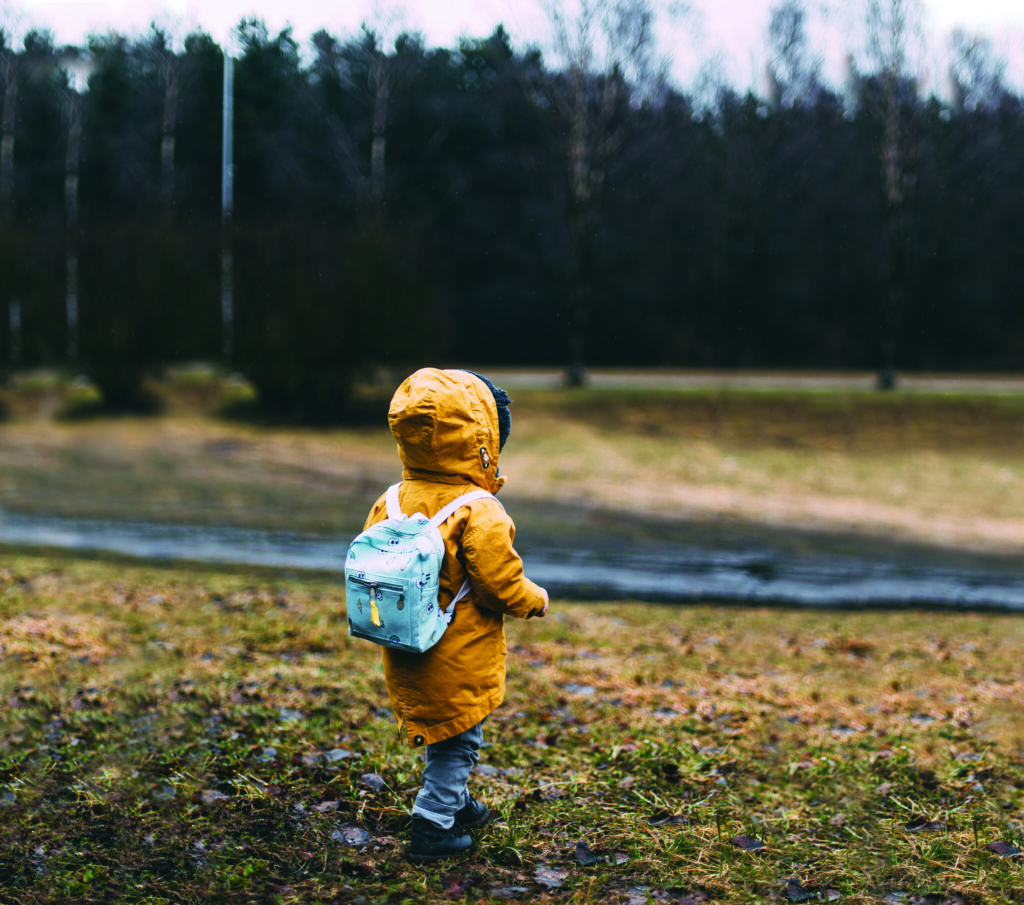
[{"x": 546, "y": 601}]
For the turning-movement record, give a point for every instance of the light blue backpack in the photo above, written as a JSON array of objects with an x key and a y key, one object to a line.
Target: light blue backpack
[{"x": 391, "y": 577}]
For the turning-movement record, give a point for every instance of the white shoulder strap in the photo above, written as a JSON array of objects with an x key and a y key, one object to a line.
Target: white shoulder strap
[
  {"x": 441, "y": 517},
  {"x": 467, "y": 586},
  {"x": 394, "y": 510}
]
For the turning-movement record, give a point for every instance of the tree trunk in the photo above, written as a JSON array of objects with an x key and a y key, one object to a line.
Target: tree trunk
[
  {"x": 381, "y": 97},
  {"x": 171, "y": 95},
  {"x": 7, "y": 133},
  {"x": 893, "y": 233}
]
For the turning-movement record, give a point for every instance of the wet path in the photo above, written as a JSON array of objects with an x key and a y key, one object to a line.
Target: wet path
[{"x": 585, "y": 555}]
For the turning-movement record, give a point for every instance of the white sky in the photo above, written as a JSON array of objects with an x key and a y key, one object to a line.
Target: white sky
[{"x": 731, "y": 34}]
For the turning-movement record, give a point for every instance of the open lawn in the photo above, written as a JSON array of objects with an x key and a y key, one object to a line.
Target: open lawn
[
  {"x": 174, "y": 735},
  {"x": 938, "y": 468},
  {"x": 182, "y": 734}
]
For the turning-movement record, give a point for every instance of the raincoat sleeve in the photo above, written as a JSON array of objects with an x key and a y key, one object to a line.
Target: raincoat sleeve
[{"x": 494, "y": 567}]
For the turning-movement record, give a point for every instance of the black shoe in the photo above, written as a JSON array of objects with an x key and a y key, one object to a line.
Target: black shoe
[
  {"x": 432, "y": 843},
  {"x": 473, "y": 814}
]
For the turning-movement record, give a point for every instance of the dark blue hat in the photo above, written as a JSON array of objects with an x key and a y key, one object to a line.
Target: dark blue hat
[{"x": 501, "y": 400}]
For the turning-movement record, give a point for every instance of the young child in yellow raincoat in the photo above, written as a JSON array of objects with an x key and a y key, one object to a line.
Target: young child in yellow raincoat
[{"x": 450, "y": 427}]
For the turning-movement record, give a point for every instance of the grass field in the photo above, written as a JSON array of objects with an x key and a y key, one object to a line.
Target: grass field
[
  {"x": 198, "y": 735},
  {"x": 941, "y": 468},
  {"x": 182, "y": 736}
]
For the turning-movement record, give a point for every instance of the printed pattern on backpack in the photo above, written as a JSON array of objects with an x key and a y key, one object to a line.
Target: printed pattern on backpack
[{"x": 392, "y": 574}]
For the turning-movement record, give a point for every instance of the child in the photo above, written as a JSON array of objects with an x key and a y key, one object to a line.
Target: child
[{"x": 450, "y": 427}]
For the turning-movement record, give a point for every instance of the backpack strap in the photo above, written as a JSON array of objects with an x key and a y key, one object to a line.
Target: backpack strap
[
  {"x": 467, "y": 586},
  {"x": 394, "y": 510},
  {"x": 442, "y": 517}
]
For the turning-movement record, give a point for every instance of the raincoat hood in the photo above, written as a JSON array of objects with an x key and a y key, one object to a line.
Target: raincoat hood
[{"x": 446, "y": 425}]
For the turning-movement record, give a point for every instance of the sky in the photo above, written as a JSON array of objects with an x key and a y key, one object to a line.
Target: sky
[{"x": 726, "y": 39}]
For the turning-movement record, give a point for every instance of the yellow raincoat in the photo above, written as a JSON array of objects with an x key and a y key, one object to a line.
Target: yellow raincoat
[{"x": 446, "y": 425}]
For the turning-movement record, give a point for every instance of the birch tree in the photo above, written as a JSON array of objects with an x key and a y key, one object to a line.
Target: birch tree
[
  {"x": 611, "y": 68},
  {"x": 892, "y": 28},
  {"x": 794, "y": 75},
  {"x": 9, "y": 78}
]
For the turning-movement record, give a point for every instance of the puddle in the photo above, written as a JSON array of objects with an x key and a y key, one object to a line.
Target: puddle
[
  {"x": 691, "y": 574},
  {"x": 582, "y": 567}
]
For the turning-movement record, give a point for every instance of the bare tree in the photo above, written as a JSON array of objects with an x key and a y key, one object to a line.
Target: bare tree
[
  {"x": 79, "y": 67},
  {"x": 612, "y": 68},
  {"x": 171, "y": 75},
  {"x": 368, "y": 68},
  {"x": 794, "y": 75},
  {"x": 9, "y": 69},
  {"x": 977, "y": 75},
  {"x": 892, "y": 29}
]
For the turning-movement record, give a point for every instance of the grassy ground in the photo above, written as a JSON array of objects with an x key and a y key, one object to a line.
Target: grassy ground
[
  {"x": 943, "y": 469},
  {"x": 176, "y": 735},
  {"x": 213, "y": 736}
]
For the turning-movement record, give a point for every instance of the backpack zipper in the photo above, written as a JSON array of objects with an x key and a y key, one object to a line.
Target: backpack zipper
[
  {"x": 374, "y": 588},
  {"x": 373, "y": 585}
]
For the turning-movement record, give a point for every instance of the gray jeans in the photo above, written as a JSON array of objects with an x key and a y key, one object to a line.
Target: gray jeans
[{"x": 444, "y": 778}]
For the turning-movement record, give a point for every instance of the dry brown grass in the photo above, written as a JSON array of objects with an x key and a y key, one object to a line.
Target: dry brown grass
[
  {"x": 215, "y": 736},
  {"x": 939, "y": 469}
]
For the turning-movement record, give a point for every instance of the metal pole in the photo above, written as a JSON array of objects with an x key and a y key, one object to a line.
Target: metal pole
[{"x": 226, "y": 203}]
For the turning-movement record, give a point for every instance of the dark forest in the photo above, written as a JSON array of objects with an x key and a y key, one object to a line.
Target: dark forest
[{"x": 393, "y": 207}]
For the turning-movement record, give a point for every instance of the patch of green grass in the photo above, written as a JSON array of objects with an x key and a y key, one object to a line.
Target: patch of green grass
[{"x": 209, "y": 736}]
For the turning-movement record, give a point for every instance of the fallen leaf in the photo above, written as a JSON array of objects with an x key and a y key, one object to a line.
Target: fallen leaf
[
  {"x": 486, "y": 770},
  {"x": 747, "y": 843},
  {"x": 925, "y": 826},
  {"x": 354, "y": 836},
  {"x": 795, "y": 891},
  {"x": 1004, "y": 849},
  {"x": 458, "y": 887},
  {"x": 551, "y": 877},
  {"x": 372, "y": 781},
  {"x": 509, "y": 892},
  {"x": 679, "y": 896},
  {"x": 662, "y": 818},
  {"x": 326, "y": 806},
  {"x": 584, "y": 856},
  {"x": 336, "y": 754}
]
